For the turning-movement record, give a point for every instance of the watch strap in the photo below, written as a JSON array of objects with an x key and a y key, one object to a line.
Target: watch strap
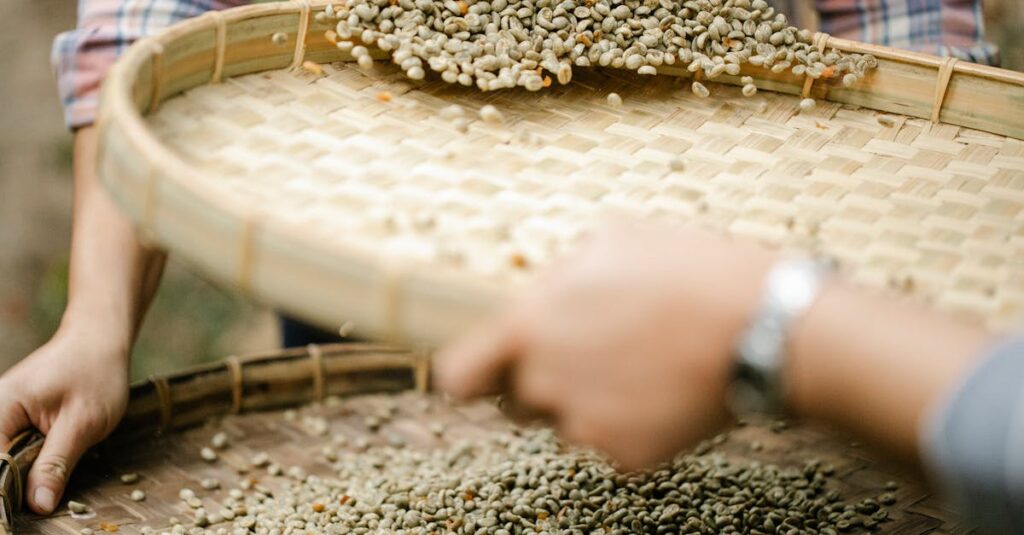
[{"x": 790, "y": 288}]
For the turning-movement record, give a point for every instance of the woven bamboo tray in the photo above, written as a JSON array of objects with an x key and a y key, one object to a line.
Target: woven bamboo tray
[
  {"x": 246, "y": 398},
  {"x": 345, "y": 196}
]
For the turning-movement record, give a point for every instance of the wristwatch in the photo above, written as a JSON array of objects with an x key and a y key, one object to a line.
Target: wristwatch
[{"x": 789, "y": 290}]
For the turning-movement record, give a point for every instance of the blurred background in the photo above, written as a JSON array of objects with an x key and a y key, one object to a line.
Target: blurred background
[{"x": 191, "y": 320}]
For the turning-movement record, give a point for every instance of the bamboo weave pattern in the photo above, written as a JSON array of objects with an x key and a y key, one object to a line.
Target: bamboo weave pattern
[{"x": 368, "y": 160}]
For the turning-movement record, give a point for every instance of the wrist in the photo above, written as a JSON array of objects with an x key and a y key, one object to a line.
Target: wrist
[
  {"x": 812, "y": 390},
  {"x": 742, "y": 295},
  {"x": 874, "y": 365},
  {"x": 763, "y": 346},
  {"x": 105, "y": 337}
]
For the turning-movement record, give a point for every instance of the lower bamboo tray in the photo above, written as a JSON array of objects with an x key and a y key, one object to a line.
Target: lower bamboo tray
[{"x": 192, "y": 405}]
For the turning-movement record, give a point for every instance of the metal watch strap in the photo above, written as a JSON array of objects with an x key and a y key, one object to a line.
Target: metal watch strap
[{"x": 789, "y": 290}]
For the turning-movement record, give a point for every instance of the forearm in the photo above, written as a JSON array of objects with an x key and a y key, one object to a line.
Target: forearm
[
  {"x": 112, "y": 275},
  {"x": 876, "y": 366}
]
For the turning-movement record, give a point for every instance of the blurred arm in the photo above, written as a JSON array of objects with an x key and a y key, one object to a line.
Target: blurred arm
[
  {"x": 923, "y": 385},
  {"x": 875, "y": 365}
]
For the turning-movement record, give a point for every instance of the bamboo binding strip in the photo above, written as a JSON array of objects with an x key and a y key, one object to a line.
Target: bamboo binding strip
[{"x": 930, "y": 206}]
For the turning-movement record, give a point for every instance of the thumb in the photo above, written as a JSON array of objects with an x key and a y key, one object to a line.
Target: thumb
[
  {"x": 63, "y": 447},
  {"x": 476, "y": 365}
]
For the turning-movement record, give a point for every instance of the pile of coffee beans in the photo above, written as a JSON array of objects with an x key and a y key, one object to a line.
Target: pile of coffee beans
[
  {"x": 498, "y": 44},
  {"x": 525, "y": 482}
]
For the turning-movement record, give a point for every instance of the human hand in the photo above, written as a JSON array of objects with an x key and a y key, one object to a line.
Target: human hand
[
  {"x": 74, "y": 389},
  {"x": 626, "y": 345}
]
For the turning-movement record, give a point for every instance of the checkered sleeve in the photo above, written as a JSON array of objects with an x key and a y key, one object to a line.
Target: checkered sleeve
[
  {"x": 940, "y": 27},
  {"x": 81, "y": 57}
]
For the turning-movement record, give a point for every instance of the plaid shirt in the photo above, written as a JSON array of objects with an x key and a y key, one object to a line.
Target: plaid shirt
[
  {"x": 938, "y": 27},
  {"x": 106, "y": 27}
]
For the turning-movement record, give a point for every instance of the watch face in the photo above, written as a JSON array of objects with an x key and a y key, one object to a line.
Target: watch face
[
  {"x": 794, "y": 287},
  {"x": 760, "y": 349},
  {"x": 790, "y": 287}
]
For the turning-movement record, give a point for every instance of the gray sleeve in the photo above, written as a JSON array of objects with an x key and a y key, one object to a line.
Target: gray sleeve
[{"x": 974, "y": 443}]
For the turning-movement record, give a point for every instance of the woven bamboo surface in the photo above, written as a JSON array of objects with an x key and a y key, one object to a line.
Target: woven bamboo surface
[
  {"x": 346, "y": 197},
  {"x": 171, "y": 461},
  {"x": 930, "y": 210}
]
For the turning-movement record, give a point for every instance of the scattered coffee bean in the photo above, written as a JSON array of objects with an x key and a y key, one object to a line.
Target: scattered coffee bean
[
  {"x": 700, "y": 90},
  {"x": 208, "y": 454},
  {"x": 219, "y": 440},
  {"x": 490, "y": 114},
  {"x": 261, "y": 459}
]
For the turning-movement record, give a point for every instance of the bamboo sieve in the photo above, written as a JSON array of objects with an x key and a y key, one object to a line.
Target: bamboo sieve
[
  {"x": 247, "y": 398},
  {"x": 345, "y": 196}
]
